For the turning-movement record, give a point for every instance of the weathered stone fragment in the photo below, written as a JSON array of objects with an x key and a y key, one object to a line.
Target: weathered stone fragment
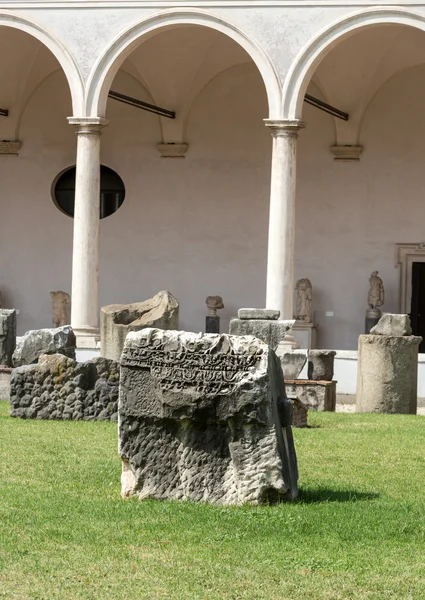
[
  {"x": 7, "y": 336},
  {"x": 299, "y": 413},
  {"x": 59, "y": 388},
  {"x": 293, "y": 363},
  {"x": 320, "y": 365},
  {"x": 116, "y": 320},
  {"x": 387, "y": 374},
  {"x": 258, "y": 313},
  {"x": 394, "y": 325},
  {"x": 34, "y": 343},
  {"x": 269, "y": 331},
  {"x": 204, "y": 417},
  {"x": 315, "y": 395}
]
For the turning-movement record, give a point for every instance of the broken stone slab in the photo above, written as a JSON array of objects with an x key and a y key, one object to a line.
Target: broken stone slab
[
  {"x": 299, "y": 413},
  {"x": 7, "y": 336},
  {"x": 258, "y": 313},
  {"x": 315, "y": 395},
  {"x": 59, "y": 388},
  {"x": 293, "y": 363},
  {"x": 392, "y": 324},
  {"x": 116, "y": 320},
  {"x": 387, "y": 374},
  {"x": 320, "y": 365},
  {"x": 204, "y": 417},
  {"x": 34, "y": 343}
]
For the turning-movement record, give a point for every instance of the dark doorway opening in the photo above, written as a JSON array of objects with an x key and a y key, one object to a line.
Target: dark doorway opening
[{"x": 417, "y": 311}]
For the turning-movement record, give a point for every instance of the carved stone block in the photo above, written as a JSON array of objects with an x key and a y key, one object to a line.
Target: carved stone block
[{"x": 204, "y": 417}]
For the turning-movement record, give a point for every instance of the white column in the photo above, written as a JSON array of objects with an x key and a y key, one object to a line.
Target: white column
[
  {"x": 280, "y": 254},
  {"x": 85, "y": 255}
]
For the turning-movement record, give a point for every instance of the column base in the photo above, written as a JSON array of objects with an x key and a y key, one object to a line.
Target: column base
[{"x": 87, "y": 337}]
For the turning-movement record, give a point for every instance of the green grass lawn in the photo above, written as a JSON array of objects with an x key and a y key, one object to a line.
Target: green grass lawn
[{"x": 357, "y": 530}]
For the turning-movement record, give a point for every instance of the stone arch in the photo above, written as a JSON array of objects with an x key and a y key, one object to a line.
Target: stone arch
[
  {"x": 305, "y": 63},
  {"x": 121, "y": 47},
  {"x": 56, "y": 47}
]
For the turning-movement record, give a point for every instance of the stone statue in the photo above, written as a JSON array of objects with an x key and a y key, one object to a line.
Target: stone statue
[
  {"x": 376, "y": 295},
  {"x": 60, "y": 306},
  {"x": 304, "y": 297},
  {"x": 214, "y": 303}
]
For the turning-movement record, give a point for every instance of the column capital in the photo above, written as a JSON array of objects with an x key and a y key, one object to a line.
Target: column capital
[
  {"x": 88, "y": 124},
  {"x": 284, "y": 126}
]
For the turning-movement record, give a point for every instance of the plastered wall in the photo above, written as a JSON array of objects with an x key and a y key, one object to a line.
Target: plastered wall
[{"x": 198, "y": 226}]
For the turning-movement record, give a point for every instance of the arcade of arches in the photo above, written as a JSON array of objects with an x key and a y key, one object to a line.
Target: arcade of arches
[{"x": 199, "y": 225}]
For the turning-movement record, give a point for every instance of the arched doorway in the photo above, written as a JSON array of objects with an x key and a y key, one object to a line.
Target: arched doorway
[
  {"x": 360, "y": 181},
  {"x": 195, "y": 225},
  {"x": 39, "y": 87}
]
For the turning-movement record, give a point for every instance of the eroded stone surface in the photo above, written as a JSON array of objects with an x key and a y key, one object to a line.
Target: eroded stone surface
[
  {"x": 387, "y": 374},
  {"x": 320, "y": 365},
  {"x": 390, "y": 324},
  {"x": 204, "y": 417},
  {"x": 258, "y": 313},
  {"x": 116, "y": 320},
  {"x": 293, "y": 363},
  {"x": 60, "y": 388},
  {"x": 34, "y": 343},
  {"x": 7, "y": 336}
]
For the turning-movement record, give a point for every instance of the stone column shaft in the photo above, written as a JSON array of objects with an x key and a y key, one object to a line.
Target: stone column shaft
[
  {"x": 85, "y": 257},
  {"x": 280, "y": 256}
]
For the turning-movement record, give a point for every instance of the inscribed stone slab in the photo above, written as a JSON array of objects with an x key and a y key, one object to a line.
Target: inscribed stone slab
[{"x": 204, "y": 417}]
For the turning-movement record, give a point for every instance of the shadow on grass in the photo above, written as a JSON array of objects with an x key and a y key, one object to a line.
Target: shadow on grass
[{"x": 327, "y": 495}]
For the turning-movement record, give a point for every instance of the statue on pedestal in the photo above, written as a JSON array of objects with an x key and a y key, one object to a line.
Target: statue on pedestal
[
  {"x": 304, "y": 297},
  {"x": 212, "y": 321},
  {"x": 60, "y": 306},
  {"x": 376, "y": 295},
  {"x": 375, "y": 299}
]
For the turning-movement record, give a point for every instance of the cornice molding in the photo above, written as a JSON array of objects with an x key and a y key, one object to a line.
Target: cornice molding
[
  {"x": 120, "y": 4},
  {"x": 346, "y": 153}
]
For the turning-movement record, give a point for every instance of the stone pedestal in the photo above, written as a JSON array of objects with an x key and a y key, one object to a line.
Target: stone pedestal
[
  {"x": 315, "y": 395},
  {"x": 212, "y": 324},
  {"x": 372, "y": 317},
  {"x": 321, "y": 365},
  {"x": 305, "y": 334},
  {"x": 387, "y": 374}
]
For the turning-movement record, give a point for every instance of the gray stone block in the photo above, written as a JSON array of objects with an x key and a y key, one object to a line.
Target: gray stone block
[
  {"x": 7, "y": 336},
  {"x": 59, "y": 388},
  {"x": 293, "y": 363},
  {"x": 315, "y": 395},
  {"x": 116, "y": 320},
  {"x": 395, "y": 325},
  {"x": 258, "y": 313},
  {"x": 34, "y": 343},
  {"x": 387, "y": 374},
  {"x": 204, "y": 417},
  {"x": 270, "y": 332},
  {"x": 320, "y": 365}
]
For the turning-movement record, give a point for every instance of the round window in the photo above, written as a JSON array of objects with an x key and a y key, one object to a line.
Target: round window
[{"x": 112, "y": 191}]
